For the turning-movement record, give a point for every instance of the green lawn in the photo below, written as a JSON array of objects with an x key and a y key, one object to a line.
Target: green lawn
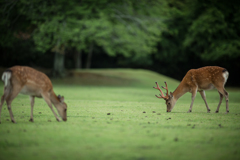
[{"x": 127, "y": 133}]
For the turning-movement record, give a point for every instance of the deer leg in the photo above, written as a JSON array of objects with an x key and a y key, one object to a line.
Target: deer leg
[
  {"x": 220, "y": 102},
  {"x": 32, "y": 104},
  {"x": 10, "y": 112},
  {"x": 194, "y": 92},
  {"x": 48, "y": 101},
  {"x": 3, "y": 98},
  {"x": 10, "y": 97},
  {"x": 9, "y": 100},
  {"x": 1, "y": 104},
  {"x": 226, "y": 97},
  {"x": 204, "y": 98},
  {"x": 225, "y": 94}
]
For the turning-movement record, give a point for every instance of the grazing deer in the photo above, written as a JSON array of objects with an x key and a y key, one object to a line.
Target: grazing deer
[
  {"x": 28, "y": 81},
  {"x": 201, "y": 79}
]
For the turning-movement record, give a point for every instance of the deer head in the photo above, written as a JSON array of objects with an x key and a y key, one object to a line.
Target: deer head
[
  {"x": 170, "y": 102},
  {"x": 62, "y": 108}
]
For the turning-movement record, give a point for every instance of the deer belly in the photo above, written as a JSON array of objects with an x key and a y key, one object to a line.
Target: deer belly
[
  {"x": 30, "y": 91},
  {"x": 206, "y": 87}
]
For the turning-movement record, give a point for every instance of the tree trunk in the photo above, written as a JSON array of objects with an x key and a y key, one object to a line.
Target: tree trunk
[
  {"x": 89, "y": 57},
  {"x": 78, "y": 59},
  {"x": 58, "y": 68}
]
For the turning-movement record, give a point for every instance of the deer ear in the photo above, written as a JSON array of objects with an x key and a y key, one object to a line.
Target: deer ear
[
  {"x": 171, "y": 94},
  {"x": 62, "y": 99}
]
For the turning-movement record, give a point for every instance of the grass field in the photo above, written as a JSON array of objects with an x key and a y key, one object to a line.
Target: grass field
[{"x": 138, "y": 127}]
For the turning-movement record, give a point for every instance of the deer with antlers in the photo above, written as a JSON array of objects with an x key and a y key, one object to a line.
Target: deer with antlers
[
  {"x": 198, "y": 80},
  {"x": 28, "y": 81}
]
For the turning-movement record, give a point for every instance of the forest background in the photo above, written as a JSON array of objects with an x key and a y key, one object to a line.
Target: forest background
[{"x": 166, "y": 36}]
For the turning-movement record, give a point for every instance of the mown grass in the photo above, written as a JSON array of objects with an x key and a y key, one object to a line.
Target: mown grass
[{"x": 128, "y": 132}]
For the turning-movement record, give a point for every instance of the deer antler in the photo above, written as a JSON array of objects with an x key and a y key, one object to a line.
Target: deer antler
[{"x": 162, "y": 96}]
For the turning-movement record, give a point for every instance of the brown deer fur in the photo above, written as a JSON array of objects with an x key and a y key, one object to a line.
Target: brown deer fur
[
  {"x": 198, "y": 80},
  {"x": 28, "y": 81}
]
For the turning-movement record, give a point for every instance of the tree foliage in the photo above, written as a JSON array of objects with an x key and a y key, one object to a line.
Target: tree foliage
[
  {"x": 214, "y": 31},
  {"x": 122, "y": 27}
]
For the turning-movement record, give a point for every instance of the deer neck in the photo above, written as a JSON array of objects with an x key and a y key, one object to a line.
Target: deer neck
[
  {"x": 179, "y": 91},
  {"x": 54, "y": 99}
]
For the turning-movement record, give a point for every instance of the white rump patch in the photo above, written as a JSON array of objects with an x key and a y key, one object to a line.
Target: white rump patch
[
  {"x": 225, "y": 76},
  {"x": 6, "y": 77}
]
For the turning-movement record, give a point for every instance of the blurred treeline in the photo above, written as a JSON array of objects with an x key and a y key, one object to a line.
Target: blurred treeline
[{"x": 167, "y": 36}]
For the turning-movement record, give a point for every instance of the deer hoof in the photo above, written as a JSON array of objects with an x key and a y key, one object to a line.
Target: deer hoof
[
  {"x": 189, "y": 111},
  {"x": 216, "y": 111},
  {"x": 13, "y": 121},
  {"x": 58, "y": 120},
  {"x": 31, "y": 120}
]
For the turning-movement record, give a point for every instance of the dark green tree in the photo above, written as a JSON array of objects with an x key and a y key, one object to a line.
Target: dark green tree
[{"x": 214, "y": 32}]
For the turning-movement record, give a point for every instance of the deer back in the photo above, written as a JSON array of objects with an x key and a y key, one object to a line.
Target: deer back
[
  {"x": 206, "y": 77},
  {"x": 31, "y": 81}
]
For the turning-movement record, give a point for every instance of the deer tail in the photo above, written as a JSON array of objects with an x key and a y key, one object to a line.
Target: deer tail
[
  {"x": 225, "y": 75},
  {"x": 6, "y": 77}
]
